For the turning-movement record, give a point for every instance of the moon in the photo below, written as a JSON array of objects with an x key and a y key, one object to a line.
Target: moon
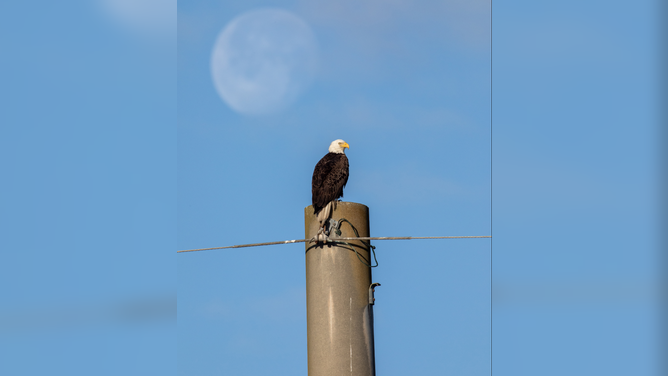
[{"x": 263, "y": 60}]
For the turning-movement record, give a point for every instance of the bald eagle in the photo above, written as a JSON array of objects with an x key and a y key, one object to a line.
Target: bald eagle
[{"x": 329, "y": 177}]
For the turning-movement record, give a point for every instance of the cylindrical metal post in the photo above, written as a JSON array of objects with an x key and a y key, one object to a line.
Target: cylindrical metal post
[{"x": 339, "y": 316}]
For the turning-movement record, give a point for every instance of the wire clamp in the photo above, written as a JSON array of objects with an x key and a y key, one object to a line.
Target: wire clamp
[{"x": 372, "y": 289}]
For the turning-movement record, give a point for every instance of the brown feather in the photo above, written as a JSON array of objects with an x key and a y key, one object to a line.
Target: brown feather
[{"x": 329, "y": 177}]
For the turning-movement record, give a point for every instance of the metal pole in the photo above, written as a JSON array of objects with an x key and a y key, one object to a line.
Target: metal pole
[{"x": 339, "y": 314}]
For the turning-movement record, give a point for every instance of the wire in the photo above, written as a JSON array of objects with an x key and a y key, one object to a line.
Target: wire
[{"x": 337, "y": 239}]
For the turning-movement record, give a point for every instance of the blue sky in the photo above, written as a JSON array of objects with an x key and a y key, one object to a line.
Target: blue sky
[
  {"x": 576, "y": 193},
  {"x": 411, "y": 95},
  {"x": 118, "y": 151},
  {"x": 88, "y": 208}
]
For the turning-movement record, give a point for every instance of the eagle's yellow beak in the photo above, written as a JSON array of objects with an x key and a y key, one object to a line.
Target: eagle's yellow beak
[{"x": 344, "y": 145}]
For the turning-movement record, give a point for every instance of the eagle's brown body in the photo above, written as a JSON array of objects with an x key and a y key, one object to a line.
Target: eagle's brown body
[{"x": 329, "y": 177}]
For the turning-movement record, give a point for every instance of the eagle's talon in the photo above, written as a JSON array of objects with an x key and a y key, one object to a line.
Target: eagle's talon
[{"x": 321, "y": 236}]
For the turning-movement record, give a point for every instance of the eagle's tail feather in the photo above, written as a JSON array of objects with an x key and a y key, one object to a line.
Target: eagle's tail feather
[{"x": 325, "y": 213}]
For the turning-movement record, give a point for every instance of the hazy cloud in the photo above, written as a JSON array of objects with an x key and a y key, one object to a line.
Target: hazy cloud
[
  {"x": 287, "y": 305},
  {"x": 151, "y": 18},
  {"x": 408, "y": 185}
]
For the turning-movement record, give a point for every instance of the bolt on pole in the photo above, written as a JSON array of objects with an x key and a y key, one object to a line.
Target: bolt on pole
[{"x": 339, "y": 297}]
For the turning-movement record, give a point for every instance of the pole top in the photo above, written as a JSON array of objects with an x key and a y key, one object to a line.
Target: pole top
[{"x": 340, "y": 204}]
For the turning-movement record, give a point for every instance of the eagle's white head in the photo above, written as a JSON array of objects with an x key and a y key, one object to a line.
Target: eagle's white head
[{"x": 337, "y": 146}]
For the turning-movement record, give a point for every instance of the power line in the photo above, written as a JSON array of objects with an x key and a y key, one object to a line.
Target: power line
[{"x": 336, "y": 239}]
